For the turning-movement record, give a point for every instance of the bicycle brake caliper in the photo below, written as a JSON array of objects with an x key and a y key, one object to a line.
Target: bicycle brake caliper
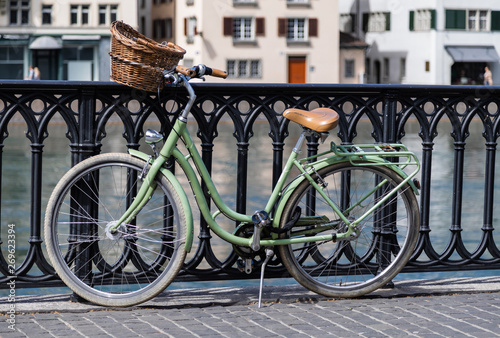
[{"x": 322, "y": 183}]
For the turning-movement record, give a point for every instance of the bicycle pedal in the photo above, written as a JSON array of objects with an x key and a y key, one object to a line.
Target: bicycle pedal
[{"x": 245, "y": 266}]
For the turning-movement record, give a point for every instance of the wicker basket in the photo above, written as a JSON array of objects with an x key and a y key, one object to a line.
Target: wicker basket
[{"x": 138, "y": 61}]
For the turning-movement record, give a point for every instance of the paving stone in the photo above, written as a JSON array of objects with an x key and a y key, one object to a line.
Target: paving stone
[{"x": 450, "y": 314}]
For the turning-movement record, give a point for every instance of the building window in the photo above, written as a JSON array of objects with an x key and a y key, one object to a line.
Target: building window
[
  {"x": 190, "y": 29},
  {"x": 347, "y": 23},
  {"x": 470, "y": 19},
  {"x": 162, "y": 29},
  {"x": 11, "y": 62},
  {"x": 478, "y": 20},
  {"x": 85, "y": 14},
  {"x": 423, "y": 20},
  {"x": 46, "y": 14},
  {"x": 386, "y": 69},
  {"x": 78, "y": 61},
  {"x": 107, "y": 14},
  {"x": 19, "y": 12},
  {"x": 376, "y": 22},
  {"x": 243, "y": 29},
  {"x": 297, "y": 29},
  {"x": 349, "y": 68},
  {"x": 79, "y": 14},
  {"x": 244, "y": 68}
]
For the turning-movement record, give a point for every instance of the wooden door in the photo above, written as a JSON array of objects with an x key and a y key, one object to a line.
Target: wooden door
[{"x": 297, "y": 69}]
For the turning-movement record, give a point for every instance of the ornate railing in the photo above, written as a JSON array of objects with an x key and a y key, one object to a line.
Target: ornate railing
[{"x": 87, "y": 108}]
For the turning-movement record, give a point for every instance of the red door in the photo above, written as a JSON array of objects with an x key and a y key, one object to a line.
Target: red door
[{"x": 297, "y": 69}]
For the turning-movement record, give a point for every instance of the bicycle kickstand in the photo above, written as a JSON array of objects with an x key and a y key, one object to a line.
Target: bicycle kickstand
[{"x": 269, "y": 254}]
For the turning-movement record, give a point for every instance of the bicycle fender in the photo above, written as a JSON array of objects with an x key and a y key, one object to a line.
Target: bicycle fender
[
  {"x": 320, "y": 165},
  {"x": 182, "y": 195}
]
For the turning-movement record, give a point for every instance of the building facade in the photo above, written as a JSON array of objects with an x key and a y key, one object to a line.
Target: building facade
[
  {"x": 65, "y": 40},
  {"x": 294, "y": 41},
  {"x": 426, "y": 41}
]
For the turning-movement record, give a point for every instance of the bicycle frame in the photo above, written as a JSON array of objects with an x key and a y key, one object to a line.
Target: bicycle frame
[{"x": 307, "y": 166}]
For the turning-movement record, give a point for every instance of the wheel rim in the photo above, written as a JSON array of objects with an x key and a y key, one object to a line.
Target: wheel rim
[
  {"x": 353, "y": 267},
  {"x": 128, "y": 265}
]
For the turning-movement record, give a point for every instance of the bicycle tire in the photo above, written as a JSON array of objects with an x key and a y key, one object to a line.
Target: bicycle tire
[
  {"x": 134, "y": 265},
  {"x": 354, "y": 267}
]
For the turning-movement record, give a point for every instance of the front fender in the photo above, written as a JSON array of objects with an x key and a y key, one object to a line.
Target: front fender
[
  {"x": 182, "y": 196},
  {"x": 322, "y": 164}
]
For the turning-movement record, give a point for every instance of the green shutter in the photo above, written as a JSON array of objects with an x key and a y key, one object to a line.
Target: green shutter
[
  {"x": 455, "y": 19},
  {"x": 433, "y": 18},
  {"x": 387, "y": 21},
  {"x": 412, "y": 20},
  {"x": 495, "y": 20}
]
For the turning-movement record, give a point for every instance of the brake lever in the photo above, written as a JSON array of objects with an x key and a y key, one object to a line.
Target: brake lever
[{"x": 171, "y": 78}]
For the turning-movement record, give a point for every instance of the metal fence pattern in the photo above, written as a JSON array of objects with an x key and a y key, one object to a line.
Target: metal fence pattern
[{"x": 85, "y": 108}]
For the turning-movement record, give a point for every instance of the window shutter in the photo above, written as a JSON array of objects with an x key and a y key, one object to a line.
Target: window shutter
[
  {"x": 387, "y": 21},
  {"x": 228, "y": 26},
  {"x": 433, "y": 19},
  {"x": 495, "y": 20},
  {"x": 185, "y": 26},
  {"x": 412, "y": 20},
  {"x": 313, "y": 27},
  {"x": 282, "y": 23},
  {"x": 260, "y": 26},
  {"x": 455, "y": 19}
]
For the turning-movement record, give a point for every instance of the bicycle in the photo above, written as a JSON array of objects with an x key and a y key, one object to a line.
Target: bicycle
[{"x": 118, "y": 226}]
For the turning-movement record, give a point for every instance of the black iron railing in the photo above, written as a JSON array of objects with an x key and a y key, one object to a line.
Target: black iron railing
[{"x": 85, "y": 108}]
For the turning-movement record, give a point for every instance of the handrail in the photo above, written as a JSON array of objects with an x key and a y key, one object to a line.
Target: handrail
[{"x": 86, "y": 108}]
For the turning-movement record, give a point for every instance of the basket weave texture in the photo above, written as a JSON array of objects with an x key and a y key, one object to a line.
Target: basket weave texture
[{"x": 138, "y": 61}]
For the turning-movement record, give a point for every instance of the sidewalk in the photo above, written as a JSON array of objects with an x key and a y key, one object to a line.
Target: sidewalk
[{"x": 465, "y": 307}]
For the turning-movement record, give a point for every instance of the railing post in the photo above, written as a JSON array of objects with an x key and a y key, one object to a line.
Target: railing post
[
  {"x": 389, "y": 119},
  {"x": 85, "y": 148},
  {"x": 388, "y": 226}
]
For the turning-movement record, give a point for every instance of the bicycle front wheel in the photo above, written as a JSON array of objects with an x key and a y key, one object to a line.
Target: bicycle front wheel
[
  {"x": 379, "y": 248},
  {"x": 123, "y": 268}
]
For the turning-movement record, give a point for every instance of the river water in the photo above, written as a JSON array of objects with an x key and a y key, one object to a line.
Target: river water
[{"x": 15, "y": 203}]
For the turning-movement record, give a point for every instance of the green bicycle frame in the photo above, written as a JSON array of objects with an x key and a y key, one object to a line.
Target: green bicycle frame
[{"x": 278, "y": 198}]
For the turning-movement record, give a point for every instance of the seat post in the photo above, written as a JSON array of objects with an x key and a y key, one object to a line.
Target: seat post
[{"x": 300, "y": 141}]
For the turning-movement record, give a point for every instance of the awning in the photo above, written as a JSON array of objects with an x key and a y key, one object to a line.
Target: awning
[
  {"x": 46, "y": 42},
  {"x": 473, "y": 53}
]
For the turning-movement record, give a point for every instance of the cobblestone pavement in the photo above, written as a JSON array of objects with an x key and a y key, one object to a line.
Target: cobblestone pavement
[{"x": 473, "y": 313}]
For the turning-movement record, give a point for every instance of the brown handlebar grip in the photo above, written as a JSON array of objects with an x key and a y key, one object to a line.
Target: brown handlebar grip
[
  {"x": 219, "y": 73},
  {"x": 185, "y": 71}
]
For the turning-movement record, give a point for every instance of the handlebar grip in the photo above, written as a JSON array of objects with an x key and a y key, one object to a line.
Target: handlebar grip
[
  {"x": 185, "y": 71},
  {"x": 217, "y": 72}
]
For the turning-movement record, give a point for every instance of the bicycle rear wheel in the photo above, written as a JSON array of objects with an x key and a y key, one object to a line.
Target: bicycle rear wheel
[
  {"x": 137, "y": 262},
  {"x": 383, "y": 243}
]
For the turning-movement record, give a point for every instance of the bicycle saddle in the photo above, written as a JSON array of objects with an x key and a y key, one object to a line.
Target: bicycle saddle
[{"x": 319, "y": 119}]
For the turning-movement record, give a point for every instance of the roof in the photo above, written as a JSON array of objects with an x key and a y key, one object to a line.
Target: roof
[{"x": 349, "y": 41}]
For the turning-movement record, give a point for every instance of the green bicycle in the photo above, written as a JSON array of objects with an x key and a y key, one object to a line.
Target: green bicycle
[{"x": 118, "y": 226}]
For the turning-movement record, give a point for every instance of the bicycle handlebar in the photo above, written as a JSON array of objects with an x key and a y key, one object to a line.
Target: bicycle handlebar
[{"x": 201, "y": 70}]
